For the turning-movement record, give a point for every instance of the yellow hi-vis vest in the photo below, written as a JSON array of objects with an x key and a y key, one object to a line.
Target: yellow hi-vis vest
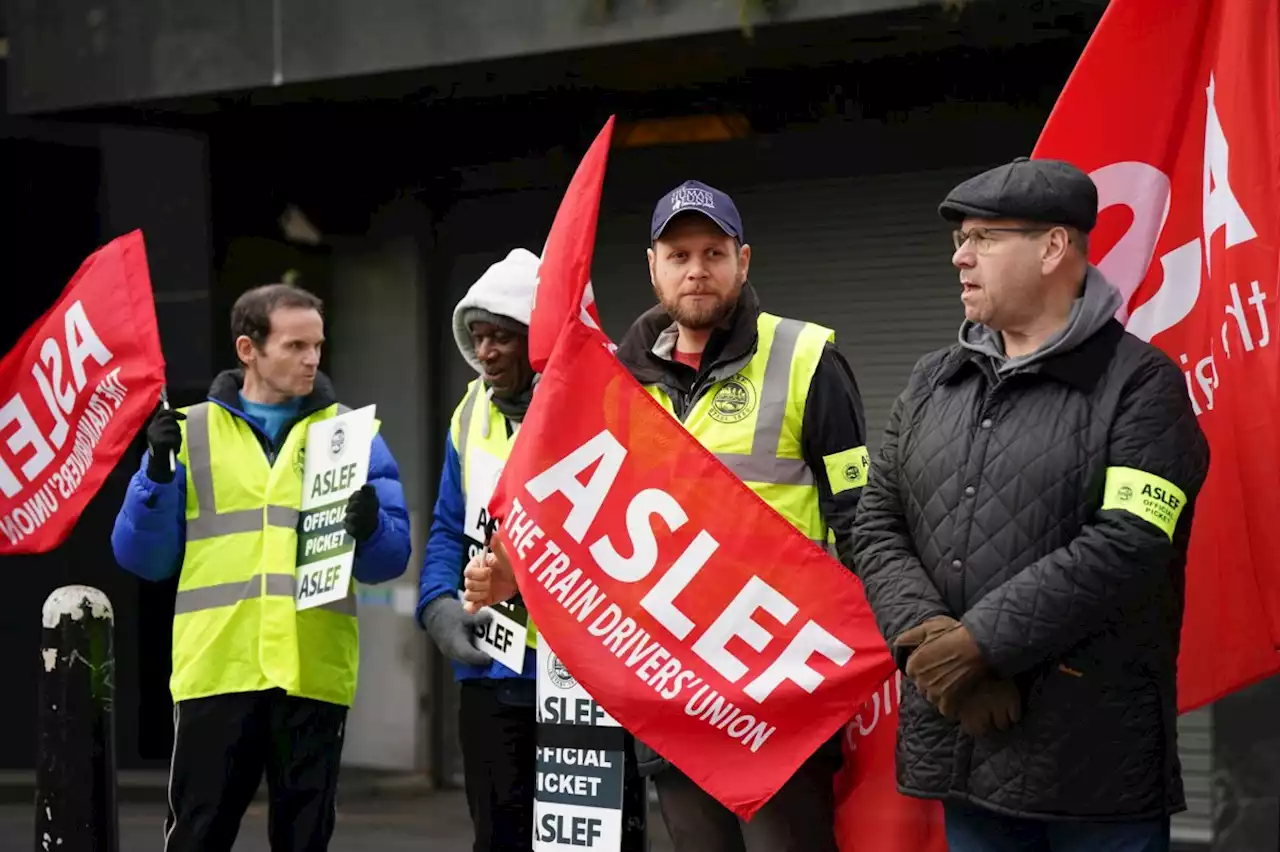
[
  {"x": 479, "y": 432},
  {"x": 235, "y": 626},
  {"x": 753, "y": 420}
]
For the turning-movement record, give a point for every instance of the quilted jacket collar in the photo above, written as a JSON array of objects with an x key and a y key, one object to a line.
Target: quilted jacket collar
[{"x": 1081, "y": 367}]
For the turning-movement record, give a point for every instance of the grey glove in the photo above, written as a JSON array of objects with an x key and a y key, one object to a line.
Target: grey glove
[{"x": 452, "y": 629}]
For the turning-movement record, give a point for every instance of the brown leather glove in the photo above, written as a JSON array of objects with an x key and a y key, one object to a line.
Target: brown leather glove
[
  {"x": 945, "y": 666},
  {"x": 924, "y": 631},
  {"x": 990, "y": 704}
]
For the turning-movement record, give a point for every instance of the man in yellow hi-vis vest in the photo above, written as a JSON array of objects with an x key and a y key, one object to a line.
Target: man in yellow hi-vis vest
[
  {"x": 258, "y": 686},
  {"x": 777, "y": 403},
  {"x": 497, "y": 719}
]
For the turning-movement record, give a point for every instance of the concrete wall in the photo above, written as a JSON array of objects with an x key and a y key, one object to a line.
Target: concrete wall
[
  {"x": 77, "y": 53},
  {"x": 376, "y": 320}
]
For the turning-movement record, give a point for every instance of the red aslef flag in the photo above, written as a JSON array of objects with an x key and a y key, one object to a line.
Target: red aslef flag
[
  {"x": 1176, "y": 115},
  {"x": 73, "y": 393},
  {"x": 698, "y": 617},
  {"x": 566, "y": 258}
]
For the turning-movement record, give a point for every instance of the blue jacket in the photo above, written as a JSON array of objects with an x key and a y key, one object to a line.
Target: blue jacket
[
  {"x": 151, "y": 528},
  {"x": 446, "y": 554}
]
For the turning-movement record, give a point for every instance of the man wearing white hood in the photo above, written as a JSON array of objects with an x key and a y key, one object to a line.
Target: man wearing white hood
[{"x": 497, "y": 718}]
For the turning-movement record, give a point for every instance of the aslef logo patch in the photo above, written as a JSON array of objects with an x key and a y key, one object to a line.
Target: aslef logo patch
[
  {"x": 734, "y": 401},
  {"x": 338, "y": 443},
  {"x": 854, "y": 472},
  {"x": 559, "y": 674}
]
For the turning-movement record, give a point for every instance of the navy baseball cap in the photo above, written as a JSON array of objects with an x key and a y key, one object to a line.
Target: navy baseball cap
[{"x": 696, "y": 197}]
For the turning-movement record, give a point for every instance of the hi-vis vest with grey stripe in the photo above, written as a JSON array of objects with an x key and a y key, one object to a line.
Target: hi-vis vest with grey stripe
[
  {"x": 210, "y": 523},
  {"x": 762, "y": 464},
  {"x": 236, "y": 627},
  {"x": 752, "y": 420}
]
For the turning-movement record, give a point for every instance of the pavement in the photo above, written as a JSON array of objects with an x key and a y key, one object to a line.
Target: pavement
[
  {"x": 391, "y": 817},
  {"x": 396, "y": 815}
]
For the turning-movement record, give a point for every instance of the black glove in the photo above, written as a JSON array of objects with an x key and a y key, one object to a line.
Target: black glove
[
  {"x": 164, "y": 436},
  {"x": 991, "y": 704},
  {"x": 361, "y": 521}
]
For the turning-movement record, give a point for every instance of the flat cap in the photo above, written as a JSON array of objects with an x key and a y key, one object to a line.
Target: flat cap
[{"x": 1047, "y": 191}]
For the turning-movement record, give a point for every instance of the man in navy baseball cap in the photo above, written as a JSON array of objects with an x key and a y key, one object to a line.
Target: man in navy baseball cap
[
  {"x": 696, "y": 197},
  {"x": 776, "y": 402},
  {"x": 732, "y": 372}
]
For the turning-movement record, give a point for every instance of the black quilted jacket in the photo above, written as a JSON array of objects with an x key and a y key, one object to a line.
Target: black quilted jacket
[{"x": 986, "y": 504}]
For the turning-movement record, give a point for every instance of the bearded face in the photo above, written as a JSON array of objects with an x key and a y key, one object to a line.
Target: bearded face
[{"x": 698, "y": 271}]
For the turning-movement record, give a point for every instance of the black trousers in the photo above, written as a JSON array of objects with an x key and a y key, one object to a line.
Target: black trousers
[
  {"x": 799, "y": 818},
  {"x": 497, "y": 724},
  {"x": 221, "y": 747}
]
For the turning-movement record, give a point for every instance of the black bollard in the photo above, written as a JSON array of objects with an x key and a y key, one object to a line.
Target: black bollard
[{"x": 76, "y": 760}]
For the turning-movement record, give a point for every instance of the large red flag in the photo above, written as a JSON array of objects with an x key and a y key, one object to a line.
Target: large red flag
[
  {"x": 73, "y": 393},
  {"x": 566, "y": 258},
  {"x": 694, "y": 614},
  {"x": 1177, "y": 118},
  {"x": 871, "y": 815}
]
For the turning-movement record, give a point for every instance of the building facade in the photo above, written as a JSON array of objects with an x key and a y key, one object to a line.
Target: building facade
[{"x": 386, "y": 152}]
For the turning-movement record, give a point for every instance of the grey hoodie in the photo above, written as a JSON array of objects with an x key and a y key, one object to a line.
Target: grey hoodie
[{"x": 1091, "y": 311}]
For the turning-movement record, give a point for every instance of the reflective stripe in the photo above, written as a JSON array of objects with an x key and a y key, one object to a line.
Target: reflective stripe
[
  {"x": 230, "y": 594},
  {"x": 282, "y": 516},
  {"x": 464, "y": 423},
  {"x": 280, "y": 584},
  {"x": 763, "y": 464},
  {"x": 774, "y": 388},
  {"x": 209, "y": 523},
  {"x": 239, "y": 521},
  {"x": 770, "y": 469},
  {"x": 199, "y": 458},
  {"x": 226, "y": 594}
]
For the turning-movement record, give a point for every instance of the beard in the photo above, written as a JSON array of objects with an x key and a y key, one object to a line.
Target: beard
[{"x": 709, "y": 312}]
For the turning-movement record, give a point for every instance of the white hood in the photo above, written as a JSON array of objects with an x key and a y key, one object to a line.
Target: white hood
[{"x": 505, "y": 289}]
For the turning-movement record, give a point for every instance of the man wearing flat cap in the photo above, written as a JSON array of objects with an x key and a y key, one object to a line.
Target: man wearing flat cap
[{"x": 1023, "y": 536}]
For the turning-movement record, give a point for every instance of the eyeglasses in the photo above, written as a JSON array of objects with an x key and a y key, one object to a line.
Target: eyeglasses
[{"x": 982, "y": 239}]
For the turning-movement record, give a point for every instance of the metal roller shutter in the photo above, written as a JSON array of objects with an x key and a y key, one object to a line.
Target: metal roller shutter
[
  {"x": 1195, "y": 747},
  {"x": 867, "y": 256}
]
